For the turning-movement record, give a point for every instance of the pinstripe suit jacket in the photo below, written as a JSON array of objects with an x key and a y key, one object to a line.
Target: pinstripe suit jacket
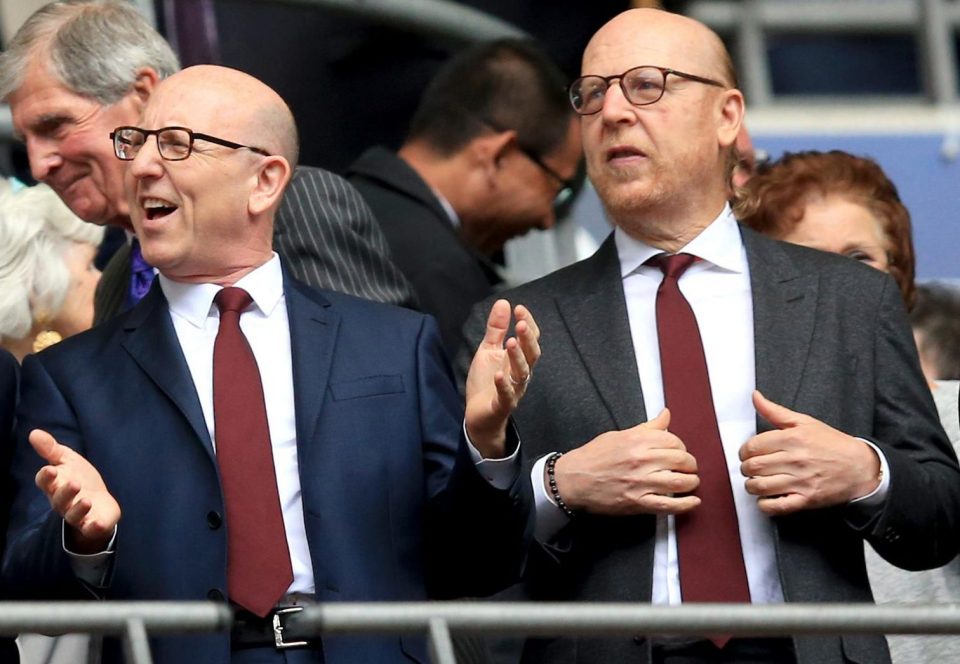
[{"x": 324, "y": 232}]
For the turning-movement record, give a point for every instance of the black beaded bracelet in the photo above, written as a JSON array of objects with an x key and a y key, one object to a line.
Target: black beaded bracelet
[{"x": 552, "y": 481}]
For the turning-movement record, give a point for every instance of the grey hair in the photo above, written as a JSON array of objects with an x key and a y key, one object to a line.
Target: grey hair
[
  {"x": 36, "y": 230},
  {"x": 93, "y": 47}
]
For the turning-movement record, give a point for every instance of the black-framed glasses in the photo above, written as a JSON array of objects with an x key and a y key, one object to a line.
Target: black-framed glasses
[
  {"x": 641, "y": 86},
  {"x": 173, "y": 143},
  {"x": 567, "y": 187}
]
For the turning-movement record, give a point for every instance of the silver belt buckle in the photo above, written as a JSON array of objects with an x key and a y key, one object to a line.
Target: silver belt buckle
[{"x": 278, "y": 629}]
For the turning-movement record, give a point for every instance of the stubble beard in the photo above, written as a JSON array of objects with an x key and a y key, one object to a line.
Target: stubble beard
[{"x": 630, "y": 196}]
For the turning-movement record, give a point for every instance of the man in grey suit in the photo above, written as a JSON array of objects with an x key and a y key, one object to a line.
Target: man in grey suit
[
  {"x": 826, "y": 432},
  {"x": 77, "y": 69}
]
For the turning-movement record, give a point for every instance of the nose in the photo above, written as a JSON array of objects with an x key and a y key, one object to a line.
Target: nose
[
  {"x": 44, "y": 157},
  {"x": 147, "y": 162},
  {"x": 616, "y": 107}
]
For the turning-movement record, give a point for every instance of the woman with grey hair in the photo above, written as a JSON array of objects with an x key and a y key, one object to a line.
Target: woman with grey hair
[{"x": 47, "y": 277}]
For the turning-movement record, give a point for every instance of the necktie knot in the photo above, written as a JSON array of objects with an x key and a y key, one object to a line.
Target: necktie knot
[
  {"x": 673, "y": 265},
  {"x": 232, "y": 299}
]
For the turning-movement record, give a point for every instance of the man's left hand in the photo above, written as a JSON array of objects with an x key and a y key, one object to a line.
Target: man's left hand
[
  {"x": 804, "y": 463},
  {"x": 499, "y": 374}
]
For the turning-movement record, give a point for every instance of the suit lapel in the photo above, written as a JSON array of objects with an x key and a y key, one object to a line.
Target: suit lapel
[
  {"x": 152, "y": 343},
  {"x": 595, "y": 315},
  {"x": 784, "y": 315},
  {"x": 313, "y": 334}
]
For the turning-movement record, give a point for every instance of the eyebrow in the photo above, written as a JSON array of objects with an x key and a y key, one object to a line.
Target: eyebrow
[{"x": 46, "y": 121}]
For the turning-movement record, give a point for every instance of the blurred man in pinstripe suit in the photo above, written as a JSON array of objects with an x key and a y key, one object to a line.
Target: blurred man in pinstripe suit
[{"x": 77, "y": 69}]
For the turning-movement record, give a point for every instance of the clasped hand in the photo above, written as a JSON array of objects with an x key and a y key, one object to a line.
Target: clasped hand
[{"x": 801, "y": 464}]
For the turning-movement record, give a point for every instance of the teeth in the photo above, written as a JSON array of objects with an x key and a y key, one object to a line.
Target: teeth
[{"x": 151, "y": 203}]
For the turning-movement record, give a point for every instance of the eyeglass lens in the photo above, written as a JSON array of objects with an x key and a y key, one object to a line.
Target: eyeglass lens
[
  {"x": 642, "y": 85},
  {"x": 173, "y": 143}
]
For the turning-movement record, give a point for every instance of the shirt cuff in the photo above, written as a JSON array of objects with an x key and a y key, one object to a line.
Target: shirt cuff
[
  {"x": 93, "y": 569},
  {"x": 500, "y": 473},
  {"x": 876, "y": 497},
  {"x": 550, "y": 518}
]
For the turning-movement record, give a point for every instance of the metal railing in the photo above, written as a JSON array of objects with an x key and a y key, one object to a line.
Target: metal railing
[
  {"x": 134, "y": 620},
  {"x": 932, "y": 22}
]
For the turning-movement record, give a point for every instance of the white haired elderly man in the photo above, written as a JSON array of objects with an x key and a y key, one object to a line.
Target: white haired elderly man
[{"x": 77, "y": 69}]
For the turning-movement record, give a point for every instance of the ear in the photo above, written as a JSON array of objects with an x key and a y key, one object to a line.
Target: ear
[
  {"x": 143, "y": 86},
  {"x": 271, "y": 179},
  {"x": 730, "y": 112},
  {"x": 489, "y": 150}
]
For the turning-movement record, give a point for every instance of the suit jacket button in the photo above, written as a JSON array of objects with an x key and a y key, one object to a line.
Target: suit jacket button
[
  {"x": 215, "y": 595},
  {"x": 214, "y": 520}
]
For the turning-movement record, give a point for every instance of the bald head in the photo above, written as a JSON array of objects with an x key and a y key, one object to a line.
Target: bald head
[
  {"x": 664, "y": 39},
  {"x": 213, "y": 97},
  {"x": 661, "y": 167},
  {"x": 207, "y": 216}
]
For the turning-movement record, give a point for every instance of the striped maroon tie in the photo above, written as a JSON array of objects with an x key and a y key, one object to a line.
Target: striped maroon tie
[
  {"x": 258, "y": 560},
  {"x": 708, "y": 538}
]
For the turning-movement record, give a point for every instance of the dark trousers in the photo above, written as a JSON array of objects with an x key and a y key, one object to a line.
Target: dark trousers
[
  {"x": 268, "y": 655},
  {"x": 736, "y": 651}
]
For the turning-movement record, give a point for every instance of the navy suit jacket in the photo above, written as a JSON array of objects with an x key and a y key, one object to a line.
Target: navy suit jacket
[{"x": 388, "y": 488}]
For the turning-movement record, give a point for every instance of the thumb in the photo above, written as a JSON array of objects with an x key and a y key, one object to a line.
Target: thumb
[
  {"x": 777, "y": 415},
  {"x": 660, "y": 422},
  {"x": 47, "y": 446}
]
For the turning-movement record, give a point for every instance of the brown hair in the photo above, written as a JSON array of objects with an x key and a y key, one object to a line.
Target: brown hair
[{"x": 773, "y": 201}]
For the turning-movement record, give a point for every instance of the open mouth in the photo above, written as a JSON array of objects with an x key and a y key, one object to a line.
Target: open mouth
[
  {"x": 623, "y": 152},
  {"x": 155, "y": 208}
]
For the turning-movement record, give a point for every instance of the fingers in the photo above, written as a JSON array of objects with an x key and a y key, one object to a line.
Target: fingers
[
  {"x": 528, "y": 334},
  {"x": 777, "y": 415},
  {"x": 47, "y": 446},
  {"x": 519, "y": 368},
  {"x": 76, "y": 514},
  {"x": 658, "y": 504},
  {"x": 498, "y": 322},
  {"x": 46, "y": 479},
  {"x": 781, "y": 505}
]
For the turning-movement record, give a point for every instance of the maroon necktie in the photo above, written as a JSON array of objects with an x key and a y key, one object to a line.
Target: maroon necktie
[
  {"x": 258, "y": 560},
  {"x": 708, "y": 538}
]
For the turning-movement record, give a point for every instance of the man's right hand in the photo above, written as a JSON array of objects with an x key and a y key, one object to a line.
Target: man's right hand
[
  {"x": 635, "y": 471},
  {"x": 77, "y": 493}
]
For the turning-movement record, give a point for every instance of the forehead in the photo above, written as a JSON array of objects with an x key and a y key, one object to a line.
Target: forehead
[
  {"x": 42, "y": 94},
  {"x": 631, "y": 42},
  {"x": 189, "y": 105}
]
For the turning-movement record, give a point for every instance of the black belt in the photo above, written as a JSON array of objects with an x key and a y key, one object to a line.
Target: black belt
[{"x": 278, "y": 629}]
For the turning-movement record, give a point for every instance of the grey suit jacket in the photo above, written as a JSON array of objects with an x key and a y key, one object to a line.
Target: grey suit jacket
[
  {"x": 832, "y": 341},
  {"x": 324, "y": 232}
]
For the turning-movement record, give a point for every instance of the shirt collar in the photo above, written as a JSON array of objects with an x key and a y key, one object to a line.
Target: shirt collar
[
  {"x": 719, "y": 244},
  {"x": 447, "y": 207},
  {"x": 194, "y": 302}
]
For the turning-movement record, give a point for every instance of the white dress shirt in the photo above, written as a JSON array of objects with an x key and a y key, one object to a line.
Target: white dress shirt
[
  {"x": 718, "y": 290},
  {"x": 266, "y": 326}
]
